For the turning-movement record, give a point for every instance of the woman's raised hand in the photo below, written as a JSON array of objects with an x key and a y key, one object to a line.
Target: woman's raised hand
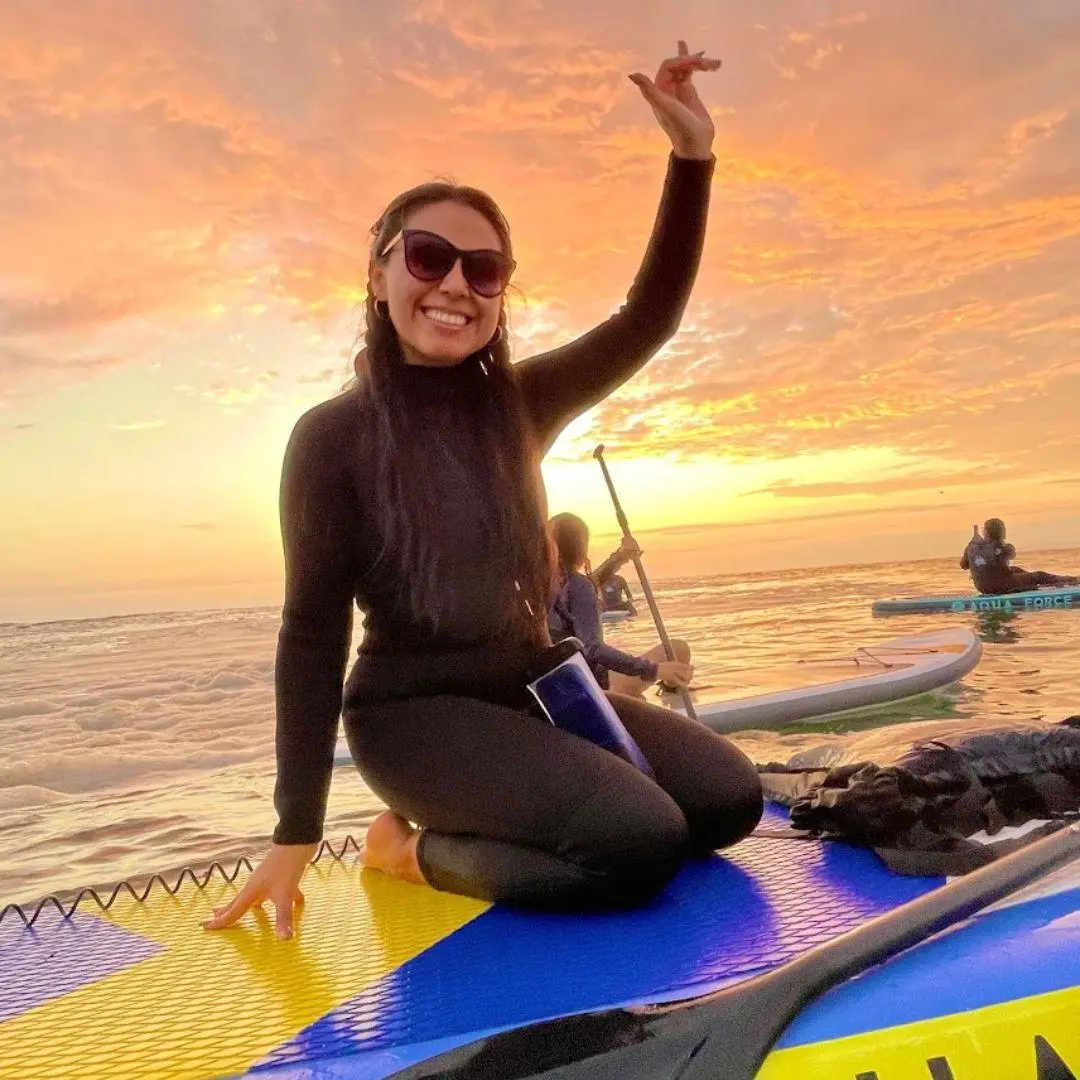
[{"x": 674, "y": 99}]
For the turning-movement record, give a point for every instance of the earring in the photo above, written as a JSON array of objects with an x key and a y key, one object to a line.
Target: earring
[
  {"x": 496, "y": 338},
  {"x": 382, "y": 310}
]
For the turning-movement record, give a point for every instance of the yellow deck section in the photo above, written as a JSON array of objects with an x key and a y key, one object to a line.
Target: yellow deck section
[
  {"x": 214, "y": 1003},
  {"x": 994, "y": 1043}
]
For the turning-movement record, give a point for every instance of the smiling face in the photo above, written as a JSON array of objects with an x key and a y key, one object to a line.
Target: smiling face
[{"x": 439, "y": 323}]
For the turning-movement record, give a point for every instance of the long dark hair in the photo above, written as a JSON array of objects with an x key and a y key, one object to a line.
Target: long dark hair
[
  {"x": 406, "y": 508},
  {"x": 571, "y": 537}
]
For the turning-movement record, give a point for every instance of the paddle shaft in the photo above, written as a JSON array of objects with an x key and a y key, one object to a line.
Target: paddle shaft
[{"x": 646, "y": 588}]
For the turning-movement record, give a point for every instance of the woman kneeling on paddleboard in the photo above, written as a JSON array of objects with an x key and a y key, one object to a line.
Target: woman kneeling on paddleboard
[{"x": 417, "y": 494}]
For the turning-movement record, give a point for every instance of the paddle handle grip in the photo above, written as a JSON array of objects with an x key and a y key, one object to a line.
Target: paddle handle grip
[{"x": 646, "y": 588}]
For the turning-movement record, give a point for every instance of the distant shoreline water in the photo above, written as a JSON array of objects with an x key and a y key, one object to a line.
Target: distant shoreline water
[{"x": 949, "y": 562}]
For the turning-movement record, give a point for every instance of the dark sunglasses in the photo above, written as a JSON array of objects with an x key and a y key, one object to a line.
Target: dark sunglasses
[{"x": 430, "y": 257}]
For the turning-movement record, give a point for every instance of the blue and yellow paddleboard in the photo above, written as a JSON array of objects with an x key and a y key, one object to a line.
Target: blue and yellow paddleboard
[{"x": 383, "y": 974}]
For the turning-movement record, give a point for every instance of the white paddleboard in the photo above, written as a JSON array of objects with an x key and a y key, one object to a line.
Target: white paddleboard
[{"x": 870, "y": 675}]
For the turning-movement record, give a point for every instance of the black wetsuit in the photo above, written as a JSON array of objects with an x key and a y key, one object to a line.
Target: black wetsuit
[
  {"x": 615, "y": 594},
  {"x": 988, "y": 560},
  {"x": 511, "y": 807}
]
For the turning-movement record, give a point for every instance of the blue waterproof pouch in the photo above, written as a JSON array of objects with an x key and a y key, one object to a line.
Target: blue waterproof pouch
[{"x": 573, "y": 700}]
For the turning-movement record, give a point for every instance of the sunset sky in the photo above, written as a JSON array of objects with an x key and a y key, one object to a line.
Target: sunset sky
[{"x": 883, "y": 345}]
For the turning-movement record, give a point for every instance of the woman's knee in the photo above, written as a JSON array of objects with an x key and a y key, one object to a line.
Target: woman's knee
[
  {"x": 681, "y": 649},
  {"x": 747, "y": 806},
  {"x": 636, "y": 849},
  {"x": 652, "y": 858},
  {"x": 730, "y": 811},
  {"x": 743, "y": 805}
]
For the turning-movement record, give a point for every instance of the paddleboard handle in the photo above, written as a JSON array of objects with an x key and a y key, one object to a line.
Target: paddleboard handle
[{"x": 669, "y": 651}]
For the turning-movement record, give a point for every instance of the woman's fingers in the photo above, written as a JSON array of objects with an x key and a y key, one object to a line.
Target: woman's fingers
[
  {"x": 283, "y": 908},
  {"x": 649, "y": 90},
  {"x": 670, "y": 111},
  {"x": 687, "y": 93},
  {"x": 283, "y": 913},
  {"x": 675, "y": 81},
  {"x": 680, "y": 68},
  {"x": 277, "y": 879},
  {"x": 230, "y": 913}
]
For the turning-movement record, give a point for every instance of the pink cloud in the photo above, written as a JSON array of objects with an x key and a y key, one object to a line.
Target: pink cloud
[{"x": 891, "y": 247}]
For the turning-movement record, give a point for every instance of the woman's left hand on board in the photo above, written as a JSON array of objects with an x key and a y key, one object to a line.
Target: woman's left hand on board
[{"x": 675, "y": 102}]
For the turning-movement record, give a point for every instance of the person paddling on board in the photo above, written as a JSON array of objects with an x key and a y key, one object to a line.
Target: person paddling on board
[
  {"x": 576, "y": 613},
  {"x": 417, "y": 494},
  {"x": 988, "y": 557},
  {"x": 615, "y": 595},
  {"x": 611, "y": 586}
]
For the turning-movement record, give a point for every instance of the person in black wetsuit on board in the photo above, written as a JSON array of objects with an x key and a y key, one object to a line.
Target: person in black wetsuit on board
[
  {"x": 988, "y": 557},
  {"x": 615, "y": 594},
  {"x": 611, "y": 586},
  {"x": 417, "y": 495},
  {"x": 576, "y": 613}
]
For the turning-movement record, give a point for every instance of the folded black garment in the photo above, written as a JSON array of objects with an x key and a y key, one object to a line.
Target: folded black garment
[{"x": 919, "y": 809}]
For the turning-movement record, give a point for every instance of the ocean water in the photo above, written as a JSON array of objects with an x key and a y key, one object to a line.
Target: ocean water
[{"x": 130, "y": 745}]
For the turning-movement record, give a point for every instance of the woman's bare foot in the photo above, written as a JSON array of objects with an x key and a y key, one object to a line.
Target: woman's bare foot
[{"x": 390, "y": 846}]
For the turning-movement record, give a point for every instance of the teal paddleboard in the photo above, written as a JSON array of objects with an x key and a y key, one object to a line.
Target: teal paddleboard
[{"x": 1035, "y": 600}]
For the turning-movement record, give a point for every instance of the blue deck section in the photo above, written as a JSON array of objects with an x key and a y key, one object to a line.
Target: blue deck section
[
  {"x": 721, "y": 921},
  {"x": 1016, "y": 952},
  {"x": 58, "y": 956}
]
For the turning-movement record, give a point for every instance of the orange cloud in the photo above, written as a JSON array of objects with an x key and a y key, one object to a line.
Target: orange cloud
[{"x": 892, "y": 244}]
